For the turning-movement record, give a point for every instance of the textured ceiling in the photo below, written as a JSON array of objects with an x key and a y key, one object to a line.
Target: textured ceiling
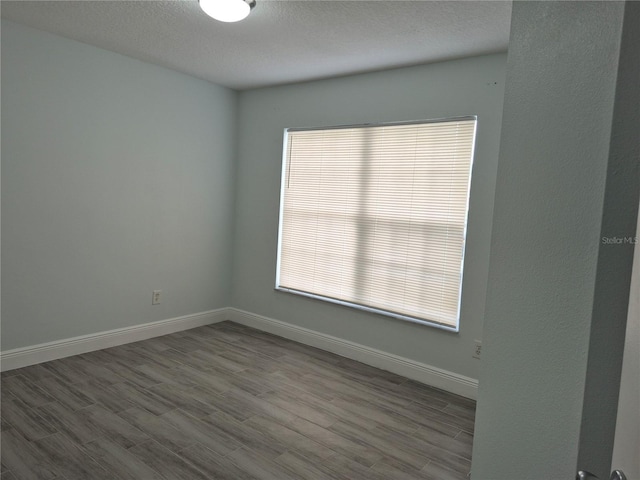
[{"x": 282, "y": 41}]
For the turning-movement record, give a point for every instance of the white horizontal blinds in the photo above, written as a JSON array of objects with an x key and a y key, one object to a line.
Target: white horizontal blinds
[{"x": 376, "y": 216}]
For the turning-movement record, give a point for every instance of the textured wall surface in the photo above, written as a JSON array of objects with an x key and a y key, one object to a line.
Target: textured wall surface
[
  {"x": 543, "y": 336},
  {"x": 627, "y": 441},
  {"x": 614, "y": 268},
  {"x": 464, "y": 87},
  {"x": 117, "y": 179}
]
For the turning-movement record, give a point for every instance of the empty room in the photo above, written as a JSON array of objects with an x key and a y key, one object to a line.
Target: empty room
[{"x": 300, "y": 239}]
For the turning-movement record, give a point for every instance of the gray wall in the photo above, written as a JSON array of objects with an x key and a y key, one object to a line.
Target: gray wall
[
  {"x": 627, "y": 439},
  {"x": 464, "y": 87},
  {"x": 117, "y": 179},
  {"x": 557, "y": 293}
]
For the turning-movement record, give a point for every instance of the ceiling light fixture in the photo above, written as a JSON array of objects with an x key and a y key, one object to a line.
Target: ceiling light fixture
[{"x": 227, "y": 10}]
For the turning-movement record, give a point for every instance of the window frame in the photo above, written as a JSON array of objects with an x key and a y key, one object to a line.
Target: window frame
[{"x": 358, "y": 306}]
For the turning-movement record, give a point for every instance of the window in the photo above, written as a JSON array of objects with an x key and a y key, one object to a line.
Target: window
[{"x": 374, "y": 217}]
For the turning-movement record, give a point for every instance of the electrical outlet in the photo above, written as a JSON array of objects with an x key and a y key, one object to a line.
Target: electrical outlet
[
  {"x": 477, "y": 349},
  {"x": 156, "y": 298}
]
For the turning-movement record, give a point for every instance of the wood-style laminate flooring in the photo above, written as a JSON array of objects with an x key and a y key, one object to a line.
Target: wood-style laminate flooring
[{"x": 227, "y": 402}]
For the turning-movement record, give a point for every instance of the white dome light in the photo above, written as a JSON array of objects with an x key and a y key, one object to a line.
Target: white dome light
[{"x": 227, "y": 10}]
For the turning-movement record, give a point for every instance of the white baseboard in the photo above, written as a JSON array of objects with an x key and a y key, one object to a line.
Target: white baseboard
[
  {"x": 44, "y": 352},
  {"x": 421, "y": 372}
]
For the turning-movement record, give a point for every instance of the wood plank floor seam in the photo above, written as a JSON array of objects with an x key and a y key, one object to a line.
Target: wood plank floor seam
[{"x": 227, "y": 402}]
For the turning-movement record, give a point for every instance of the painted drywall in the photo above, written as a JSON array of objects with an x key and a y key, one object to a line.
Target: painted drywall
[
  {"x": 614, "y": 267},
  {"x": 464, "y": 87},
  {"x": 557, "y": 293},
  {"x": 117, "y": 179},
  {"x": 627, "y": 439}
]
